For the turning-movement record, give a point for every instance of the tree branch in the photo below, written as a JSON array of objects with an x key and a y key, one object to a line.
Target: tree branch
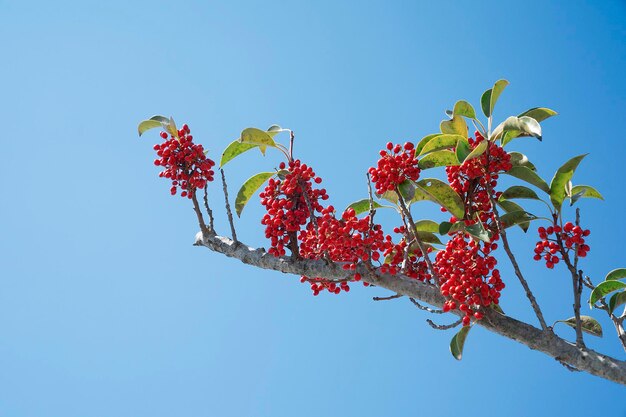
[{"x": 584, "y": 359}]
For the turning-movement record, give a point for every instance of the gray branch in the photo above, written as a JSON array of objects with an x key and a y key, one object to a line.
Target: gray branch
[{"x": 583, "y": 359}]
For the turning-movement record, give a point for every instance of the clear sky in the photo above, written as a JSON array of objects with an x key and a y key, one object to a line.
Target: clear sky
[{"x": 106, "y": 309}]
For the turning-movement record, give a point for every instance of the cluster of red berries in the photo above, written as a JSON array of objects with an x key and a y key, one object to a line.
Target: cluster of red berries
[
  {"x": 287, "y": 204},
  {"x": 568, "y": 237},
  {"x": 397, "y": 164},
  {"x": 184, "y": 162},
  {"x": 468, "y": 276},
  {"x": 411, "y": 263}
]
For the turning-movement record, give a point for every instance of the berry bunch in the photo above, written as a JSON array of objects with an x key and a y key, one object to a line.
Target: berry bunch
[
  {"x": 568, "y": 237},
  {"x": 468, "y": 276},
  {"x": 410, "y": 262},
  {"x": 184, "y": 162},
  {"x": 286, "y": 202},
  {"x": 397, "y": 164}
]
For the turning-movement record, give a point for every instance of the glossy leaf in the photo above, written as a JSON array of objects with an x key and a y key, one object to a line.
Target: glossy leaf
[
  {"x": 444, "y": 195},
  {"x": 584, "y": 191},
  {"x": 463, "y": 108},
  {"x": 458, "y": 342},
  {"x": 587, "y": 324},
  {"x": 539, "y": 113},
  {"x": 456, "y": 126},
  {"x": 514, "y": 218},
  {"x": 447, "y": 227},
  {"x": 616, "y": 300},
  {"x": 497, "y": 89},
  {"x": 147, "y": 125},
  {"x": 616, "y": 274},
  {"x": 528, "y": 175},
  {"x": 560, "y": 180},
  {"x": 438, "y": 159},
  {"x": 519, "y": 191},
  {"x": 478, "y": 231},
  {"x": 439, "y": 142},
  {"x": 477, "y": 151},
  {"x": 515, "y": 127},
  {"x": 521, "y": 160},
  {"x": 462, "y": 150},
  {"x": 363, "y": 206},
  {"x": 234, "y": 149},
  {"x": 422, "y": 143},
  {"x": 248, "y": 189},
  {"x": 485, "y": 102},
  {"x": 427, "y": 226},
  {"x": 603, "y": 289}
]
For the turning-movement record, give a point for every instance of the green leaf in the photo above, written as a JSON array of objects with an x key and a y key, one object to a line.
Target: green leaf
[
  {"x": 478, "y": 231},
  {"x": 442, "y": 194},
  {"x": 258, "y": 137},
  {"x": 584, "y": 191},
  {"x": 458, "y": 341},
  {"x": 603, "y": 289},
  {"x": 428, "y": 237},
  {"x": 171, "y": 128},
  {"x": 515, "y": 127},
  {"x": 422, "y": 143},
  {"x": 390, "y": 196},
  {"x": 407, "y": 190},
  {"x": 160, "y": 118},
  {"x": 516, "y": 217},
  {"x": 455, "y": 126},
  {"x": 427, "y": 226},
  {"x": 526, "y": 174},
  {"x": 539, "y": 113},
  {"x": 519, "y": 191},
  {"x": 234, "y": 149},
  {"x": 485, "y": 102},
  {"x": 439, "y": 142},
  {"x": 447, "y": 227},
  {"x": 147, "y": 125},
  {"x": 477, "y": 151},
  {"x": 587, "y": 324},
  {"x": 462, "y": 150},
  {"x": 521, "y": 160},
  {"x": 511, "y": 207},
  {"x": 497, "y": 89},
  {"x": 363, "y": 206},
  {"x": 248, "y": 188},
  {"x": 463, "y": 108},
  {"x": 273, "y": 130},
  {"x": 616, "y": 300},
  {"x": 561, "y": 178},
  {"x": 438, "y": 159},
  {"x": 616, "y": 274}
]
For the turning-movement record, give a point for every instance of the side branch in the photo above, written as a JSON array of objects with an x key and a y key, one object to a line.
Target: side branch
[{"x": 583, "y": 359}]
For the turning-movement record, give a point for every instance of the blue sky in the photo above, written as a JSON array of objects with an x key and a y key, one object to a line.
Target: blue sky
[{"x": 106, "y": 309}]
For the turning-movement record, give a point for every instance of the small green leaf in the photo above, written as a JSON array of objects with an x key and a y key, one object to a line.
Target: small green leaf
[
  {"x": 584, "y": 191},
  {"x": 273, "y": 130},
  {"x": 438, "y": 159},
  {"x": 498, "y": 88},
  {"x": 439, "y": 142},
  {"x": 147, "y": 125},
  {"x": 444, "y": 195},
  {"x": 258, "y": 137},
  {"x": 456, "y": 126},
  {"x": 587, "y": 324},
  {"x": 248, "y": 188},
  {"x": 477, "y": 151},
  {"x": 462, "y": 150},
  {"x": 234, "y": 149},
  {"x": 423, "y": 142},
  {"x": 520, "y": 160},
  {"x": 485, "y": 102},
  {"x": 363, "y": 206},
  {"x": 560, "y": 180},
  {"x": 447, "y": 227},
  {"x": 463, "y": 108},
  {"x": 171, "y": 128},
  {"x": 519, "y": 191},
  {"x": 539, "y": 113},
  {"x": 458, "y": 341},
  {"x": 427, "y": 226},
  {"x": 515, "y": 127},
  {"x": 526, "y": 174},
  {"x": 478, "y": 231},
  {"x": 516, "y": 217},
  {"x": 616, "y": 274},
  {"x": 511, "y": 207},
  {"x": 616, "y": 300},
  {"x": 603, "y": 289}
]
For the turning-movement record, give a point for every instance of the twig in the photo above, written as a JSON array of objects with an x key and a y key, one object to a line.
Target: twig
[
  {"x": 228, "y": 211},
  {"x": 196, "y": 208},
  {"x": 208, "y": 209},
  {"x": 424, "y": 308},
  {"x": 391, "y": 297},
  {"x": 443, "y": 326}
]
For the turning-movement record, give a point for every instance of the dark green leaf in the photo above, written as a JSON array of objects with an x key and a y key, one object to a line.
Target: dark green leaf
[
  {"x": 463, "y": 108},
  {"x": 603, "y": 289},
  {"x": 234, "y": 149},
  {"x": 526, "y": 174},
  {"x": 462, "y": 150},
  {"x": 439, "y": 142},
  {"x": 587, "y": 324},
  {"x": 519, "y": 191},
  {"x": 478, "y": 231},
  {"x": 438, "y": 159},
  {"x": 457, "y": 343},
  {"x": 427, "y": 226},
  {"x": 511, "y": 207},
  {"x": 423, "y": 142},
  {"x": 248, "y": 188},
  {"x": 516, "y": 217},
  {"x": 456, "y": 126},
  {"x": 478, "y": 150},
  {"x": 485, "y": 102},
  {"x": 444, "y": 195},
  {"x": 520, "y": 160},
  {"x": 147, "y": 125},
  {"x": 616, "y": 300},
  {"x": 363, "y": 206},
  {"x": 447, "y": 227},
  {"x": 561, "y": 178},
  {"x": 616, "y": 274},
  {"x": 539, "y": 113}
]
